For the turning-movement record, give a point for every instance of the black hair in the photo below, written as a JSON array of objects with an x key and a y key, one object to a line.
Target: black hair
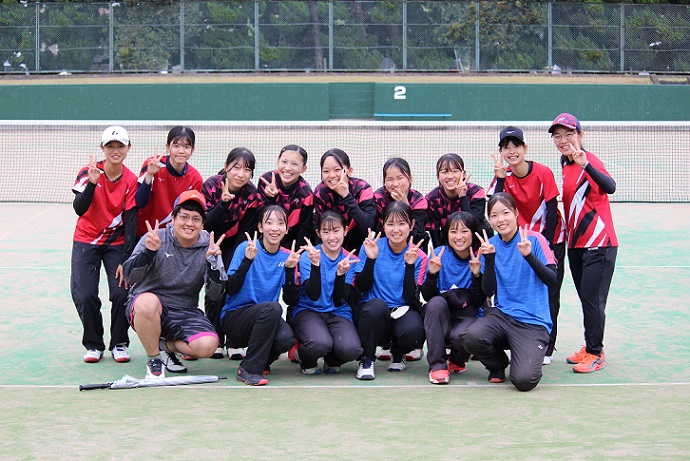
[
  {"x": 190, "y": 205},
  {"x": 516, "y": 141},
  {"x": 448, "y": 160},
  {"x": 501, "y": 197},
  {"x": 295, "y": 148},
  {"x": 178, "y": 133},
  {"x": 242, "y": 155},
  {"x": 270, "y": 210},
  {"x": 329, "y": 218},
  {"x": 399, "y": 163},
  {"x": 339, "y": 155},
  {"x": 398, "y": 210},
  {"x": 468, "y": 220}
]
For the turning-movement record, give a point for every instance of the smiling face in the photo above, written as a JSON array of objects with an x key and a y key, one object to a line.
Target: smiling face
[
  {"x": 115, "y": 152},
  {"x": 396, "y": 181},
  {"x": 397, "y": 229},
  {"x": 514, "y": 152},
  {"x": 460, "y": 238},
  {"x": 503, "y": 219},
  {"x": 180, "y": 150},
  {"x": 187, "y": 225},
  {"x": 290, "y": 167},
  {"x": 238, "y": 174},
  {"x": 273, "y": 227},
  {"x": 332, "y": 233},
  {"x": 331, "y": 171},
  {"x": 449, "y": 177},
  {"x": 565, "y": 139}
]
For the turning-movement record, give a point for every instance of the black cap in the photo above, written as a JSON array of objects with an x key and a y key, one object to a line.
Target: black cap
[{"x": 511, "y": 132}]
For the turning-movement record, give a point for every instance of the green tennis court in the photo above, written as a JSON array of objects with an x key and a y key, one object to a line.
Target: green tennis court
[{"x": 636, "y": 408}]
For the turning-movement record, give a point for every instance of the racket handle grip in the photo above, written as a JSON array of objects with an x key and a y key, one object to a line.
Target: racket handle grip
[{"x": 89, "y": 387}]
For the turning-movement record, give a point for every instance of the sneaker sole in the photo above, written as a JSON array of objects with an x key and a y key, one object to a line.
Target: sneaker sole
[
  {"x": 591, "y": 369},
  {"x": 263, "y": 382},
  {"x": 92, "y": 360},
  {"x": 365, "y": 378},
  {"x": 122, "y": 360}
]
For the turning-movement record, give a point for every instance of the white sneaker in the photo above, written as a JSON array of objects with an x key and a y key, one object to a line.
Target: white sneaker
[
  {"x": 366, "y": 370},
  {"x": 120, "y": 354},
  {"x": 397, "y": 365},
  {"x": 155, "y": 369},
  {"x": 218, "y": 354},
  {"x": 547, "y": 360},
  {"x": 93, "y": 356},
  {"x": 415, "y": 355},
  {"x": 235, "y": 354},
  {"x": 383, "y": 354},
  {"x": 172, "y": 363},
  {"x": 311, "y": 371}
]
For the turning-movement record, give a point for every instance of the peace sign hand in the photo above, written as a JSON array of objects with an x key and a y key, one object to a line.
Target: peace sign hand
[
  {"x": 500, "y": 170},
  {"x": 371, "y": 247},
  {"x": 251, "y": 251},
  {"x": 312, "y": 252},
  {"x": 153, "y": 241},
  {"x": 226, "y": 196},
  {"x": 94, "y": 172},
  {"x": 293, "y": 259},
  {"x": 462, "y": 187},
  {"x": 486, "y": 246},
  {"x": 399, "y": 195},
  {"x": 214, "y": 247},
  {"x": 412, "y": 253},
  {"x": 342, "y": 188},
  {"x": 271, "y": 189},
  {"x": 475, "y": 263},
  {"x": 344, "y": 264},
  {"x": 524, "y": 245},
  {"x": 434, "y": 264},
  {"x": 154, "y": 166},
  {"x": 579, "y": 156}
]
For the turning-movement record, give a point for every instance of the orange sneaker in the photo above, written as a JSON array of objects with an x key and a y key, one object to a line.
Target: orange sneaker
[
  {"x": 577, "y": 356},
  {"x": 455, "y": 368},
  {"x": 590, "y": 363},
  {"x": 439, "y": 376}
]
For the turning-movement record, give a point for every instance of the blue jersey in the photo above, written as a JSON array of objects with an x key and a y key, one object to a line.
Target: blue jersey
[
  {"x": 328, "y": 268},
  {"x": 519, "y": 292},
  {"x": 455, "y": 272},
  {"x": 264, "y": 278},
  {"x": 389, "y": 274}
]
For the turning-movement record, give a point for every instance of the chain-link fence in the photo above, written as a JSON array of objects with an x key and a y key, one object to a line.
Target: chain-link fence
[{"x": 344, "y": 36}]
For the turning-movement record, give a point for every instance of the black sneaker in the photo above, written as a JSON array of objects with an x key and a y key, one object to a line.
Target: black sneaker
[
  {"x": 497, "y": 377},
  {"x": 251, "y": 379},
  {"x": 155, "y": 369},
  {"x": 172, "y": 363}
]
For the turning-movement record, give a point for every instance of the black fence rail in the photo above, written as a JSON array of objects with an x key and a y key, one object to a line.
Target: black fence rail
[{"x": 344, "y": 36}]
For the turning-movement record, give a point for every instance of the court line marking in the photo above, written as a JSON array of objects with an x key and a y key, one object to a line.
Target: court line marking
[{"x": 385, "y": 386}]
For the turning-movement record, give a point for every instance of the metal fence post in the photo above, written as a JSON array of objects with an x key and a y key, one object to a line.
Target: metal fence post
[
  {"x": 477, "y": 61},
  {"x": 622, "y": 37},
  {"x": 404, "y": 35},
  {"x": 550, "y": 33},
  {"x": 330, "y": 35},
  {"x": 257, "y": 63},
  {"x": 37, "y": 57},
  {"x": 111, "y": 45},
  {"x": 182, "y": 36}
]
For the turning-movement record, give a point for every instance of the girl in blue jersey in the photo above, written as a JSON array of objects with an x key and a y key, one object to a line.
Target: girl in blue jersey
[
  {"x": 322, "y": 319},
  {"x": 453, "y": 288},
  {"x": 389, "y": 274},
  {"x": 519, "y": 268},
  {"x": 252, "y": 316}
]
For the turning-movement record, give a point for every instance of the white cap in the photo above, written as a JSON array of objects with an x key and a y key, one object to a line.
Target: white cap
[{"x": 115, "y": 133}]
